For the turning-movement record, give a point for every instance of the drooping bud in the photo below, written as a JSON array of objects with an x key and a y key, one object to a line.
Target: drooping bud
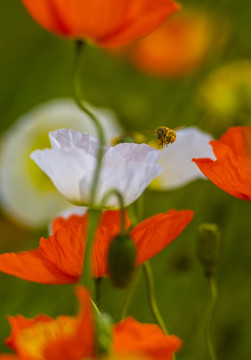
[
  {"x": 103, "y": 333},
  {"x": 208, "y": 246},
  {"x": 121, "y": 260}
]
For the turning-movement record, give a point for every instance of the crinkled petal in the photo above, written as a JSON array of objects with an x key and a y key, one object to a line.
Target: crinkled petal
[
  {"x": 130, "y": 152},
  {"x": 133, "y": 338},
  {"x": 231, "y": 174},
  {"x": 65, "y": 249},
  {"x": 176, "y": 159},
  {"x": 155, "y": 233},
  {"x": 68, "y": 139},
  {"x": 130, "y": 179},
  {"x": 32, "y": 266}
]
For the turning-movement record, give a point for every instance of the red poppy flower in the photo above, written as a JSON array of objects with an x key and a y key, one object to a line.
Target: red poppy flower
[
  {"x": 73, "y": 338},
  {"x": 232, "y": 170},
  {"x": 108, "y": 23},
  {"x": 59, "y": 259}
]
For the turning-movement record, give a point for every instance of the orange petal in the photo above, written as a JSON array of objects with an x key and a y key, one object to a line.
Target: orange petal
[
  {"x": 65, "y": 250},
  {"x": 231, "y": 174},
  {"x": 61, "y": 223},
  {"x": 141, "y": 18},
  {"x": 9, "y": 357},
  {"x": 133, "y": 338},
  {"x": 32, "y": 266},
  {"x": 19, "y": 323},
  {"x": 80, "y": 344},
  {"x": 65, "y": 338},
  {"x": 100, "y": 250},
  {"x": 238, "y": 139},
  {"x": 106, "y": 22},
  {"x": 47, "y": 14},
  {"x": 108, "y": 218},
  {"x": 155, "y": 233}
]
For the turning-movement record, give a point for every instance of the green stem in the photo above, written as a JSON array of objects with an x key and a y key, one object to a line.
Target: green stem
[
  {"x": 129, "y": 293},
  {"x": 78, "y": 99},
  {"x": 151, "y": 296},
  {"x": 209, "y": 315},
  {"x": 87, "y": 278},
  {"x": 115, "y": 192},
  {"x": 97, "y": 293}
]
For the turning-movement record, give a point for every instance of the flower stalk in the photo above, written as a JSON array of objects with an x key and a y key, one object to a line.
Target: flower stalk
[
  {"x": 100, "y": 132},
  {"x": 209, "y": 315},
  {"x": 151, "y": 296},
  {"x": 87, "y": 278}
]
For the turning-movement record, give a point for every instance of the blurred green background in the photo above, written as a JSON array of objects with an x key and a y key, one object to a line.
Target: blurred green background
[{"x": 36, "y": 66}]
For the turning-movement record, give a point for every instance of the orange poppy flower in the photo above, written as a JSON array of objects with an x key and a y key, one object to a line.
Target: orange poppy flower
[
  {"x": 59, "y": 259},
  {"x": 231, "y": 171},
  {"x": 108, "y": 23},
  {"x": 175, "y": 48},
  {"x": 73, "y": 338}
]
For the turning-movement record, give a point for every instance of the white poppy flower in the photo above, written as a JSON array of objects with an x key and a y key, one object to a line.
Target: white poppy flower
[
  {"x": 175, "y": 160},
  {"x": 71, "y": 163},
  {"x": 26, "y": 193}
]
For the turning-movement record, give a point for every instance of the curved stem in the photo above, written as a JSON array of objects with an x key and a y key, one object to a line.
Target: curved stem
[
  {"x": 128, "y": 294},
  {"x": 92, "y": 116},
  {"x": 117, "y": 193},
  {"x": 209, "y": 315},
  {"x": 151, "y": 296}
]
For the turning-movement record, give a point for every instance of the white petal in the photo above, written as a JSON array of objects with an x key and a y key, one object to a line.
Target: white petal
[
  {"x": 178, "y": 169},
  {"x": 130, "y": 179},
  {"x": 130, "y": 152},
  {"x": 68, "y": 139},
  {"x": 66, "y": 169}
]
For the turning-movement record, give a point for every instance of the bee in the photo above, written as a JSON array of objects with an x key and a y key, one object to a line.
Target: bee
[{"x": 165, "y": 135}]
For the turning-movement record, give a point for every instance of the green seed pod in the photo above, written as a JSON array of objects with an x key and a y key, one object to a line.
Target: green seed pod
[
  {"x": 208, "y": 246},
  {"x": 121, "y": 260},
  {"x": 103, "y": 333}
]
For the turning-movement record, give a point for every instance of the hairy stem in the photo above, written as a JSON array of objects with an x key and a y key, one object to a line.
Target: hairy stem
[{"x": 209, "y": 315}]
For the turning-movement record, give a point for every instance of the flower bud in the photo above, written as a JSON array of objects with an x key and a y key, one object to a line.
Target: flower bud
[
  {"x": 121, "y": 260},
  {"x": 103, "y": 333},
  {"x": 208, "y": 246}
]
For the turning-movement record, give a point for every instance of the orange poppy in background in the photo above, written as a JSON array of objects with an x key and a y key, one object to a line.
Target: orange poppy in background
[
  {"x": 59, "y": 259},
  {"x": 231, "y": 171},
  {"x": 177, "y": 47},
  {"x": 107, "y": 23},
  {"x": 74, "y": 338}
]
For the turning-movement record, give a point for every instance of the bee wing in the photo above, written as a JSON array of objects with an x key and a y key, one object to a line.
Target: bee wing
[{"x": 178, "y": 127}]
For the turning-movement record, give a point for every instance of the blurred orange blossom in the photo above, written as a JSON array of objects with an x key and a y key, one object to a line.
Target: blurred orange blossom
[
  {"x": 107, "y": 23},
  {"x": 74, "y": 338},
  {"x": 231, "y": 171},
  {"x": 59, "y": 259},
  {"x": 177, "y": 47}
]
